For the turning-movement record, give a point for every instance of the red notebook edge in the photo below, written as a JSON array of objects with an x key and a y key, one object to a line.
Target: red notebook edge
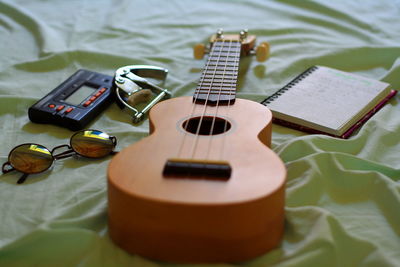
[{"x": 351, "y": 130}]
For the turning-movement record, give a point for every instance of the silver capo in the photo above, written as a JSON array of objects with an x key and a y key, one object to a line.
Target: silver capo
[{"x": 129, "y": 81}]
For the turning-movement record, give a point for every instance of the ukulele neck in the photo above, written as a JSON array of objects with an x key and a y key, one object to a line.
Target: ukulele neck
[{"x": 217, "y": 85}]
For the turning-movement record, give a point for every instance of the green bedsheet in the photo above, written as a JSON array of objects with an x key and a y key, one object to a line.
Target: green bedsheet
[{"x": 342, "y": 197}]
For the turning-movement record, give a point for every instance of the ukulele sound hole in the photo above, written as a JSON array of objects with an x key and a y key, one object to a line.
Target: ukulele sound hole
[{"x": 208, "y": 125}]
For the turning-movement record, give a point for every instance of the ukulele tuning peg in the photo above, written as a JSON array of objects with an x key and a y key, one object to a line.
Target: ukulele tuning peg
[
  {"x": 262, "y": 52},
  {"x": 220, "y": 33},
  {"x": 243, "y": 34},
  {"x": 199, "y": 50}
]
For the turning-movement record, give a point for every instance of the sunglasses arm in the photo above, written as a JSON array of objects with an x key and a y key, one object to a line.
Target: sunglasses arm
[
  {"x": 22, "y": 178},
  {"x": 114, "y": 140},
  {"x": 6, "y": 168}
]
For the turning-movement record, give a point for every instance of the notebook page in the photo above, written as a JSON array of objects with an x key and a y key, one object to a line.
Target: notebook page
[{"x": 328, "y": 99}]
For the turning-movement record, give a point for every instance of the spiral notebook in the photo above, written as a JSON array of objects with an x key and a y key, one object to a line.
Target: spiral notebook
[{"x": 328, "y": 101}]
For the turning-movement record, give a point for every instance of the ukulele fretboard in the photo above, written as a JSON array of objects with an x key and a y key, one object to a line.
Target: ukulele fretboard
[{"x": 217, "y": 84}]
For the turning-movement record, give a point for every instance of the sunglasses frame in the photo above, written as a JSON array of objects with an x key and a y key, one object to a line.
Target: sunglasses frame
[{"x": 66, "y": 154}]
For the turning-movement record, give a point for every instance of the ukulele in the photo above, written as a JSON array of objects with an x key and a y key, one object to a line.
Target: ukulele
[{"x": 204, "y": 186}]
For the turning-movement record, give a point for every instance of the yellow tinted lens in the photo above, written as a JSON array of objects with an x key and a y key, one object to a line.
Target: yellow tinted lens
[
  {"x": 92, "y": 144},
  {"x": 30, "y": 158}
]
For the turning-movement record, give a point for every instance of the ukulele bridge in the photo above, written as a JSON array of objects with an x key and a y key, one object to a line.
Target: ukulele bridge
[{"x": 197, "y": 169}]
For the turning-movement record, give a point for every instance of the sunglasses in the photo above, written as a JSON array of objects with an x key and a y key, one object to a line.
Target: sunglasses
[{"x": 31, "y": 158}]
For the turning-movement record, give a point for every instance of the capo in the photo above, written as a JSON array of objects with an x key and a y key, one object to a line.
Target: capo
[{"x": 131, "y": 86}]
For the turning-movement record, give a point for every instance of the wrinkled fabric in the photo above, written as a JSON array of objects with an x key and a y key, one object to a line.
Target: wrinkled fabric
[{"x": 342, "y": 196}]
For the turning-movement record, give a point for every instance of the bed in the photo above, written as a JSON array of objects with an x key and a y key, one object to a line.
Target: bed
[{"x": 342, "y": 196}]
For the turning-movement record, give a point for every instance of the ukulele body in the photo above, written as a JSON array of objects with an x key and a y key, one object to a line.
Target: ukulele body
[{"x": 196, "y": 219}]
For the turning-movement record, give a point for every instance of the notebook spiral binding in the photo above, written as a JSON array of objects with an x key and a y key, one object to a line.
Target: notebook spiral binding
[{"x": 289, "y": 85}]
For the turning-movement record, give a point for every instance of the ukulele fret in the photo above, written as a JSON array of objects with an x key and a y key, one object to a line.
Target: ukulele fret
[
  {"x": 222, "y": 65},
  {"x": 224, "y": 55},
  {"x": 206, "y": 76},
  {"x": 206, "y": 85},
  {"x": 216, "y": 89},
  {"x": 221, "y": 58},
  {"x": 210, "y": 94},
  {"x": 223, "y": 89},
  {"x": 220, "y": 72},
  {"x": 227, "y": 69},
  {"x": 217, "y": 81}
]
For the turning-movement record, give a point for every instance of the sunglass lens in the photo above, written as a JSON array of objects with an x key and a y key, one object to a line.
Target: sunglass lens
[
  {"x": 92, "y": 144},
  {"x": 30, "y": 158}
]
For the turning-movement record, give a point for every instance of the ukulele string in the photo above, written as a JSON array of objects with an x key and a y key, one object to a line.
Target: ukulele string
[
  {"x": 206, "y": 101},
  {"x": 197, "y": 93},
  {"x": 229, "y": 51},
  {"x": 227, "y": 113}
]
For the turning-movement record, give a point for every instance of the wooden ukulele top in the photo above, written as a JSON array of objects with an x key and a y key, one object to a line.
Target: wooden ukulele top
[{"x": 257, "y": 171}]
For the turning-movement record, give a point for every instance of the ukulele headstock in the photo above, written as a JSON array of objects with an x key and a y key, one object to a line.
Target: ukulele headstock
[{"x": 247, "y": 45}]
